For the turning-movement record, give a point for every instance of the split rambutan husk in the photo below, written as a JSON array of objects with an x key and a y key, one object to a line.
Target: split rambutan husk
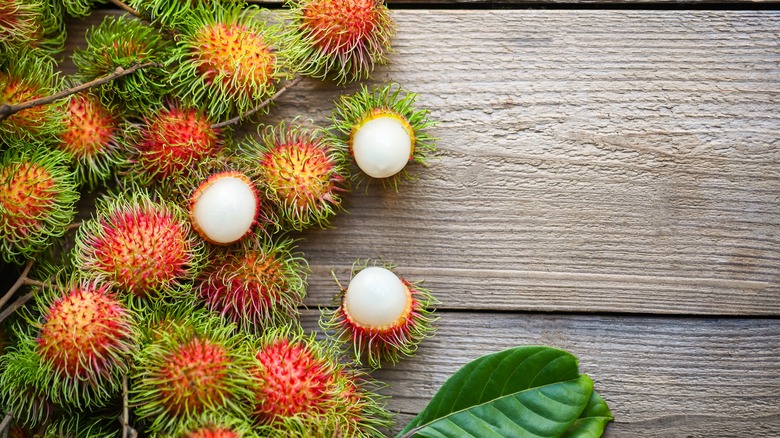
[
  {"x": 139, "y": 246},
  {"x": 390, "y": 100},
  {"x": 170, "y": 143},
  {"x": 389, "y": 343},
  {"x": 189, "y": 370},
  {"x": 26, "y": 24},
  {"x": 304, "y": 390},
  {"x": 37, "y": 200},
  {"x": 26, "y": 76},
  {"x": 124, "y": 42},
  {"x": 302, "y": 171},
  {"x": 257, "y": 285},
  {"x": 91, "y": 136},
  {"x": 342, "y": 40},
  {"x": 228, "y": 60}
]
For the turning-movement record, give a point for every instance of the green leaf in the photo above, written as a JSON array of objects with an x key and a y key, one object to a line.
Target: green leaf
[
  {"x": 527, "y": 389},
  {"x": 592, "y": 421}
]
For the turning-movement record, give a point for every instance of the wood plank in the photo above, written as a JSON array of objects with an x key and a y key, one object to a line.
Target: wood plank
[
  {"x": 660, "y": 376},
  {"x": 619, "y": 161}
]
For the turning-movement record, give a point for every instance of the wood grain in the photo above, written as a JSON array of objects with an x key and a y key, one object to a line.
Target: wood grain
[{"x": 660, "y": 376}]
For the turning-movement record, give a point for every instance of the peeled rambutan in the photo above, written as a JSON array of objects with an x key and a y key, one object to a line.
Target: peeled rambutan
[
  {"x": 303, "y": 174},
  {"x": 256, "y": 285},
  {"x": 91, "y": 137},
  {"x": 138, "y": 245},
  {"x": 339, "y": 39},
  {"x": 382, "y": 131},
  {"x": 171, "y": 142},
  {"x": 191, "y": 370},
  {"x": 227, "y": 60},
  {"x": 301, "y": 390},
  {"x": 225, "y": 207},
  {"x": 37, "y": 201},
  {"x": 383, "y": 316}
]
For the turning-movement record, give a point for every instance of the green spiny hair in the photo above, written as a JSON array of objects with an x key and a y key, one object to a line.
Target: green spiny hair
[
  {"x": 378, "y": 345},
  {"x": 256, "y": 284},
  {"x": 100, "y": 423},
  {"x": 353, "y": 110},
  {"x": 93, "y": 139},
  {"x": 342, "y": 40},
  {"x": 26, "y": 76},
  {"x": 37, "y": 201},
  {"x": 173, "y": 13},
  {"x": 228, "y": 60},
  {"x": 78, "y": 8},
  {"x": 211, "y": 424},
  {"x": 303, "y": 172},
  {"x": 31, "y": 24},
  {"x": 333, "y": 398},
  {"x": 190, "y": 368},
  {"x": 124, "y": 42},
  {"x": 20, "y": 393},
  {"x": 144, "y": 248}
]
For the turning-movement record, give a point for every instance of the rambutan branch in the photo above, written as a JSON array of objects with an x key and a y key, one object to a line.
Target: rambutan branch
[
  {"x": 121, "y": 5},
  {"x": 19, "y": 283},
  {"x": 127, "y": 431},
  {"x": 15, "y": 306},
  {"x": 6, "y": 424},
  {"x": 7, "y": 110},
  {"x": 262, "y": 105}
]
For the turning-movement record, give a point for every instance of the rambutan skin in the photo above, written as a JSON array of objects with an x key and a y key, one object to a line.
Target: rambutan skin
[
  {"x": 37, "y": 201},
  {"x": 139, "y": 246}
]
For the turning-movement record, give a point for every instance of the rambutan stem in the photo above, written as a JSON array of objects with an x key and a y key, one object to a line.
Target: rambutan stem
[
  {"x": 127, "y": 431},
  {"x": 16, "y": 305},
  {"x": 6, "y": 424},
  {"x": 262, "y": 105},
  {"x": 75, "y": 225},
  {"x": 7, "y": 110},
  {"x": 121, "y": 5},
  {"x": 19, "y": 283}
]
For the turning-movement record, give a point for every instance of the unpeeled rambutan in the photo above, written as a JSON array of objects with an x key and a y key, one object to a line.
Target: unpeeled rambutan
[
  {"x": 30, "y": 24},
  {"x": 37, "y": 201},
  {"x": 304, "y": 390},
  {"x": 257, "y": 285},
  {"x": 21, "y": 393},
  {"x": 227, "y": 60},
  {"x": 138, "y": 245},
  {"x": 91, "y": 137},
  {"x": 382, "y": 131},
  {"x": 339, "y": 39},
  {"x": 303, "y": 174},
  {"x": 191, "y": 369},
  {"x": 382, "y": 315},
  {"x": 171, "y": 142}
]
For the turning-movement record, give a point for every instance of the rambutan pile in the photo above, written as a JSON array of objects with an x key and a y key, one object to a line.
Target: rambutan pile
[{"x": 169, "y": 305}]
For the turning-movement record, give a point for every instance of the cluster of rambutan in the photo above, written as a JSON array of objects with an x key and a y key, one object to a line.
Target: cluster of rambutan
[{"x": 173, "y": 309}]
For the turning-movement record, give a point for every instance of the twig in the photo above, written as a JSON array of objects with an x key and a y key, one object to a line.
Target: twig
[
  {"x": 127, "y": 430},
  {"x": 7, "y": 110},
  {"x": 6, "y": 424},
  {"x": 262, "y": 105},
  {"x": 19, "y": 283},
  {"x": 121, "y": 5},
  {"x": 75, "y": 225},
  {"x": 15, "y": 306}
]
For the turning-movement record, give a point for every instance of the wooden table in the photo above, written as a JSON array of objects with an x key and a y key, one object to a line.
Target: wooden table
[{"x": 608, "y": 182}]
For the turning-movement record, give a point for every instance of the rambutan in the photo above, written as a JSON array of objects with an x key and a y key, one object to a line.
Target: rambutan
[
  {"x": 21, "y": 392},
  {"x": 173, "y": 13},
  {"x": 301, "y": 390},
  {"x": 191, "y": 370},
  {"x": 225, "y": 207},
  {"x": 227, "y": 60},
  {"x": 171, "y": 142},
  {"x": 124, "y": 42},
  {"x": 217, "y": 426},
  {"x": 138, "y": 245},
  {"x": 339, "y": 39},
  {"x": 383, "y": 316},
  {"x": 30, "y": 24},
  {"x": 91, "y": 137},
  {"x": 303, "y": 174},
  {"x": 257, "y": 285},
  {"x": 382, "y": 131},
  {"x": 37, "y": 201}
]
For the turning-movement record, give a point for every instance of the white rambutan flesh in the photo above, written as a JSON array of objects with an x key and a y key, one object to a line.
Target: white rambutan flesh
[
  {"x": 225, "y": 210},
  {"x": 382, "y": 146},
  {"x": 376, "y": 298}
]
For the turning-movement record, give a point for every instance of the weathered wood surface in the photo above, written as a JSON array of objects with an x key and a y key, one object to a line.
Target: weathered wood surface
[{"x": 604, "y": 164}]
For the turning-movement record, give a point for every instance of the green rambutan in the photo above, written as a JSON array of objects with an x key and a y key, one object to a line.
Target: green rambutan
[
  {"x": 304, "y": 390},
  {"x": 227, "y": 60},
  {"x": 37, "y": 201},
  {"x": 138, "y": 245},
  {"x": 171, "y": 142},
  {"x": 124, "y": 42},
  {"x": 190, "y": 370},
  {"x": 78, "y": 8},
  {"x": 339, "y": 39},
  {"x": 303, "y": 174},
  {"x": 173, "y": 13},
  {"x": 382, "y": 315},
  {"x": 257, "y": 285},
  {"x": 383, "y": 131},
  {"x": 31, "y": 24},
  {"x": 91, "y": 137},
  {"x": 20, "y": 392}
]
